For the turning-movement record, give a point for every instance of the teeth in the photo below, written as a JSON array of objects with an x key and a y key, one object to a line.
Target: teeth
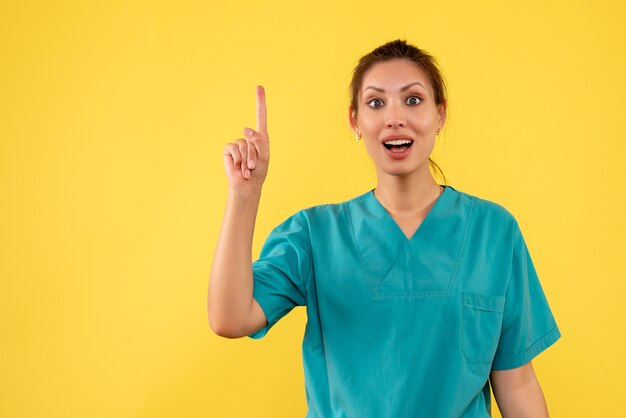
[{"x": 398, "y": 142}]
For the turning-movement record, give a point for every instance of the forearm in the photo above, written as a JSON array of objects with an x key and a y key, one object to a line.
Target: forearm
[{"x": 231, "y": 283}]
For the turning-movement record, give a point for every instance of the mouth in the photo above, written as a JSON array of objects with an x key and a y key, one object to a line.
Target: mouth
[{"x": 398, "y": 145}]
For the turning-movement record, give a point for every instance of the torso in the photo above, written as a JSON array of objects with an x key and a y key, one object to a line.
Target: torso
[
  {"x": 408, "y": 315},
  {"x": 392, "y": 309}
]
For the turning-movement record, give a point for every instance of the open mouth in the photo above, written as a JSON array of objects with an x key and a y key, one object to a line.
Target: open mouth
[{"x": 398, "y": 145}]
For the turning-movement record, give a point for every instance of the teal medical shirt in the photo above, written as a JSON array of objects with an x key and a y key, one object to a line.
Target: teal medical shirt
[{"x": 403, "y": 327}]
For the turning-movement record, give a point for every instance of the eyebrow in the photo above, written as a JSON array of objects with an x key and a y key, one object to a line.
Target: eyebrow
[{"x": 402, "y": 89}]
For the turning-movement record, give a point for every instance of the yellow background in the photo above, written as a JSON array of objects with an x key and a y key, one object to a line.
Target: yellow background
[{"x": 113, "y": 119}]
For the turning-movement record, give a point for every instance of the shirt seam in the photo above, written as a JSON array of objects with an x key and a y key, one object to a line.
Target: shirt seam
[{"x": 310, "y": 253}]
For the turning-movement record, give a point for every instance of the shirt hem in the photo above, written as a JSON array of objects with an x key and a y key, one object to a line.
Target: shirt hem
[{"x": 519, "y": 359}]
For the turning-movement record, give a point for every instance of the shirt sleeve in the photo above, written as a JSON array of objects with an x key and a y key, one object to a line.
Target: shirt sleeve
[
  {"x": 528, "y": 326},
  {"x": 282, "y": 271}
]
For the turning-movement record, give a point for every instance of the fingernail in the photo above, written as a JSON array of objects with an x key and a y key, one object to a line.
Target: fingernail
[
  {"x": 251, "y": 164},
  {"x": 248, "y": 173},
  {"x": 247, "y": 132}
]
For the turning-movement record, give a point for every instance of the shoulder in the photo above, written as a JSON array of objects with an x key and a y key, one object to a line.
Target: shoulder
[
  {"x": 326, "y": 213},
  {"x": 488, "y": 212}
]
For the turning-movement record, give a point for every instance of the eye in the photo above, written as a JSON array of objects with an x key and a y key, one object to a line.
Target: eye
[
  {"x": 375, "y": 103},
  {"x": 413, "y": 100}
]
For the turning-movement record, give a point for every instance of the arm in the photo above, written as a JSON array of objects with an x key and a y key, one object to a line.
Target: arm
[
  {"x": 232, "y": 310},
  {"x": 518, "y": 393}
]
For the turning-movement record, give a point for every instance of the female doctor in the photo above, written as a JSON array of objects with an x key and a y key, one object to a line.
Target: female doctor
[{"x": 419, "y": 297}]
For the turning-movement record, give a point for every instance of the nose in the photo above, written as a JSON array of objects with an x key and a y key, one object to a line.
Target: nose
[{"x": 395, "y": 117}]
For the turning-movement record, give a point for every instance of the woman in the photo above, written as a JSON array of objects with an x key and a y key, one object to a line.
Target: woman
[{"x": 418, "y": 296}]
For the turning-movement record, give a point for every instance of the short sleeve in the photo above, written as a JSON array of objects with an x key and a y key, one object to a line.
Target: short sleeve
[
  {"x": 528, "y": 326},
  {"x": 282, "y": 271}
]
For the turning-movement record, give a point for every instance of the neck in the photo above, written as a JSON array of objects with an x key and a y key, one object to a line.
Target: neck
[{"x": 406, "y": 194}]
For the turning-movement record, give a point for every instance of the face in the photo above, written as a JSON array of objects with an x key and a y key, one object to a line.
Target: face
[{"x": 397, "y": 103}]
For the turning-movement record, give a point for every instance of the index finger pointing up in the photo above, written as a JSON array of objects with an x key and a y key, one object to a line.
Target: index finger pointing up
[{"x": 261, "y": 110}]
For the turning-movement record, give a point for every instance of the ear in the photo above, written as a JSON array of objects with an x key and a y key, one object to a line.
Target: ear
[
  {"x": 442, "y": 109},
  {"x": 352, "y": 118}
]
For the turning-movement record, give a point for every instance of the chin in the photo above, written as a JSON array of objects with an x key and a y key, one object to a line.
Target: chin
[{"x": 404, "y": 170}]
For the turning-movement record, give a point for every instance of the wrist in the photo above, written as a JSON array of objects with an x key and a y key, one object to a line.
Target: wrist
[{"x": 245, "y": 192}]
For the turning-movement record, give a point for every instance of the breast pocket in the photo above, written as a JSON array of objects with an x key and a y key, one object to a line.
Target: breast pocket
[{"x": 482, "y": 322}]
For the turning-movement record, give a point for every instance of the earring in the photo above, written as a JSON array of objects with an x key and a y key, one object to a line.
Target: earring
[
  {"x": 358, "y": 136},
  {"x": 437, "y": 133}
]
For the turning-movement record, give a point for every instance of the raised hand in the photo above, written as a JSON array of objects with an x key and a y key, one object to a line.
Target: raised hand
[{"x": 246, "y": 160}]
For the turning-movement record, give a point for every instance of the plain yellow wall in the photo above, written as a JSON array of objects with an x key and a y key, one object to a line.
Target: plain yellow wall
[{"x": 113, "y": 119}]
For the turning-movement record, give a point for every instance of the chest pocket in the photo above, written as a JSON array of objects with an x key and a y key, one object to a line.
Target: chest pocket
[{"x": 482, "y": 323}]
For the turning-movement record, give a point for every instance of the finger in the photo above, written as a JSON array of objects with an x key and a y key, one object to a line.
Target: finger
[
  {"x": 253, "y": 139},
  {"x": 252, "y": 155},
  {"x": 261, "y": 145},
  {"x": 232, "y": 150},
  {"x": 243, "y": 150},
  {"x": 261, "y": 110}
]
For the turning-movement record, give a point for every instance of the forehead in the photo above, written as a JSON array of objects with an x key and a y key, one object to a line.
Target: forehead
[{"x": 394, "y": 74}]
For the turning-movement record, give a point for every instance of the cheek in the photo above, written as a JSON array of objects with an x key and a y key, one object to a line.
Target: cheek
[
  {"x": 371, "y": 146},
  {"x": 424, "y": 123},
  {"x": 369, "y": 124}
]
